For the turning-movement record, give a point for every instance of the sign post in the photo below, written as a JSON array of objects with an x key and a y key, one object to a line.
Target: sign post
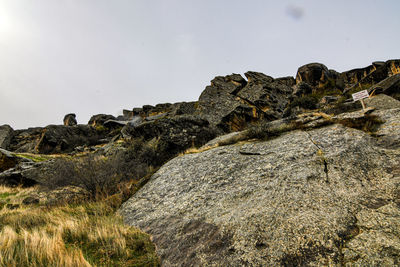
[{"x": 360, "y": 96}]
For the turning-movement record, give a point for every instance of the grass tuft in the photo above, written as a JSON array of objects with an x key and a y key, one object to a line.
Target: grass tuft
[{"x": 89, "y": 234}]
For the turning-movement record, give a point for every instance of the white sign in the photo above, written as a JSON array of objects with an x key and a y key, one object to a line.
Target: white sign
[{"x": 360, "y": 95}]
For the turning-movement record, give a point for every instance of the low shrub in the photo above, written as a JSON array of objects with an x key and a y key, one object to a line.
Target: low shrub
[
  {"x": 102, "y": 176},
  {"x": 306, "y": 102}
]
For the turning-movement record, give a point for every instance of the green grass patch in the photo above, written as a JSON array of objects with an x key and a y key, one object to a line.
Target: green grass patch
[
  {"x": 7, "y": 194},
  {"x": 33, "y": 157}
]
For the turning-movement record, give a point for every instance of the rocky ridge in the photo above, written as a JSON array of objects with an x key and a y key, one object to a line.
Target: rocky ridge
[{"x": 241, "y": 201}]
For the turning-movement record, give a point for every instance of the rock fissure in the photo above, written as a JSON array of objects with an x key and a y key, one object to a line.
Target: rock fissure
[{"x": 320, "y": 154}]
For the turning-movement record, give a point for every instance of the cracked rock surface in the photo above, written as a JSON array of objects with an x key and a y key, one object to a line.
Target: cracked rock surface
[{"x": 326, "y": 196}]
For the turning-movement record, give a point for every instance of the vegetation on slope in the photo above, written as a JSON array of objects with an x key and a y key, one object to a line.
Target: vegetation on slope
[{"x": 85, "y": 234}]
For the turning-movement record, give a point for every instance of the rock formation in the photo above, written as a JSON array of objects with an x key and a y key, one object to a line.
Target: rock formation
[
  {"x": 325, "y": 196},
  {"x": 70, "y": 119},
  {"x": 6, "y": 134},
  {"x": 260, "y": 171}
]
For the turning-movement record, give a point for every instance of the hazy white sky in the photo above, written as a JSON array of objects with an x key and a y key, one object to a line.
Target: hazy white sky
[{"x": 102, "y": 56}]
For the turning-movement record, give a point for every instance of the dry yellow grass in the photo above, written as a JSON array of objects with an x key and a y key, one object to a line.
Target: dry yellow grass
[
  {"x": 88, "y": 234},
  {"x": 194, "y": 150}
]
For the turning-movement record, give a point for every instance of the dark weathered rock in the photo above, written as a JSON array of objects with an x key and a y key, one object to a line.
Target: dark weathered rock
[
  {"x": 289, "y": 81},
  {"x": 30, "y": 200},
  {"x": 26, "y": 140},
  {"x": 302, "y": 89},
  {"x": 321, "y": 197},
  {"x": 11, "y": 206},
  {"x": 100, "y": 119},
  {"x": 7, "y": 160},
  {"x": 185, "y": 108},
  {"x": 63, "y": 139},
  {"x": 267, "y": 94},
  {"x": 70, "y": 120},
  {"x": 389, "y": 86},
  {"x": 176, "y": 133},
  {"x": 6, "y": 134},
  {"x": 218, "y": 101},
  {"x": 354, "y": 76},
  {"x": 315, "y": 74},
  {"x": 232, "y": 104},
  {"x": 20, "y": 174},
  {"x": 370, "y": 76},
  {"x": 127, "y": 114}
]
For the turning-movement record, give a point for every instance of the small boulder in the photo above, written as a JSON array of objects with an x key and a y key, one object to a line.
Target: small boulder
[
  {"x": 30, "y": 200},
  {"x": 6, "y": 134},
  {"x": 12, "y": 206},
  {"x": 100, "y": 119},
  {"x": 70, "y": 120}
]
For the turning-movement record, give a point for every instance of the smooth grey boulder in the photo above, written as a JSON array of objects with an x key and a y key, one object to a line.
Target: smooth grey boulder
[
  {"x": 6, "y": 134},
  {"x": 324, "y": 197}
]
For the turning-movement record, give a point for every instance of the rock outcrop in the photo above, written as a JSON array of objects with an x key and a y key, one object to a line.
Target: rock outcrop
[
  {"x": 176, "y": 134},
  {"x": 100, "y": 119},
  {"x": 7, "y": 160},
  {"x": 326, "y": 196},
  {"x": 314, "y": 74},
  {"x": 284, "y": 171},
  {"x": 63, "y": 139},
  {"x": 70, "y": 120},
  {"x": 6, "y": 134},
  {"x": 232, "y": 103}
]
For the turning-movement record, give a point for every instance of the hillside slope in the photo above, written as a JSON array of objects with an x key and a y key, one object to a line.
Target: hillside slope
[{"x": 324, "y": 196}]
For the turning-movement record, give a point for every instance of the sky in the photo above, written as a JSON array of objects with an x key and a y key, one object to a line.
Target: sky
[{"x": 101, "y": 56}]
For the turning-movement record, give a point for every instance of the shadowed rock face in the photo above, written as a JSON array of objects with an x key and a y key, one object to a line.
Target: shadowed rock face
[
  {"x": 327, "y": 196},
  {"x": 176, "y": 133},
  {"x": 56, "y": 138},
  {"x": 315, "y": 74}
]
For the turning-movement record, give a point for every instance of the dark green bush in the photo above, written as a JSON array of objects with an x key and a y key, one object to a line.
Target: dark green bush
[{"x": 306, "y": 102}]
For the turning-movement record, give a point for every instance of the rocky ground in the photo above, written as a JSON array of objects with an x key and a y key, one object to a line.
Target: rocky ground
[{"x": 259, "y": 171}]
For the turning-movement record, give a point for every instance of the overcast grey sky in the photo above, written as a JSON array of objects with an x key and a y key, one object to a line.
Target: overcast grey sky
[{"x": 102, "y": 56}]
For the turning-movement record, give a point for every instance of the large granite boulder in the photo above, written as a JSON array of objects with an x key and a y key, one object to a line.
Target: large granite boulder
[
  {"x": 6, "y": 134},
  {"x": 322, "y": 197}
]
